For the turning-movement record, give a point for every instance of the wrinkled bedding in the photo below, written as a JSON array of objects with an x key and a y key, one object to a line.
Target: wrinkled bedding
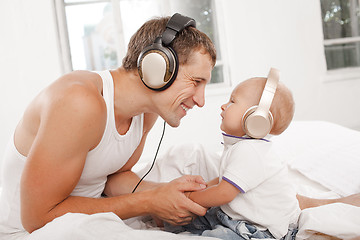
[{"x": 323, "y": 160}]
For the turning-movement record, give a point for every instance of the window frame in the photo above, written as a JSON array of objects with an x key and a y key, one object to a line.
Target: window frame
[
  {"x": 64, "y": 43},
  {"x": 340, "y": 74}
]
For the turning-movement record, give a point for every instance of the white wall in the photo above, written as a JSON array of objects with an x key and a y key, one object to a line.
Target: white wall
[
  {"x": 28, "y": 58},
  {"x": 259, "y": 34}
]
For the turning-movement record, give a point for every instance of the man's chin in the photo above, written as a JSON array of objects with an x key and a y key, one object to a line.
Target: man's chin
[{"x": 173, "y": 123}]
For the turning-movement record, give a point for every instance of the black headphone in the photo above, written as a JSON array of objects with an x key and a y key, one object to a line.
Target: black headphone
[{"x": 158, "y": 63}]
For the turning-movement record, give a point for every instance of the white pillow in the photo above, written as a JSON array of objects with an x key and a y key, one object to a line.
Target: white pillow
[{"x": 324, "y": 152}]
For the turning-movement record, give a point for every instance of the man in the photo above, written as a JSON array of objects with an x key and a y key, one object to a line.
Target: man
[{"x": 80, "y": 137}]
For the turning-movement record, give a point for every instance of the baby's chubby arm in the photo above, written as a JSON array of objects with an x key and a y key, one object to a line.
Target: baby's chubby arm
[{"x": 216, "y": 194}]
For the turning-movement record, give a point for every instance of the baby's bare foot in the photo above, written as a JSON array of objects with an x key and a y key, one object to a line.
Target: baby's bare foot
[
  {"x": 306, "y": 202},
  {"x": 352, "y": 199}
]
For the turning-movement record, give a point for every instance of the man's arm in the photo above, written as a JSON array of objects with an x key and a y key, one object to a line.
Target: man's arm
[
  {"x": 72, "y": 120},
  {"x": 216, "y": 194},
  {"x": 72, "y": 124}
]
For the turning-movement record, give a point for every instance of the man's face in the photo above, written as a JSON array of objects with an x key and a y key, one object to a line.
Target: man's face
[{"x": 188, "y": 88}]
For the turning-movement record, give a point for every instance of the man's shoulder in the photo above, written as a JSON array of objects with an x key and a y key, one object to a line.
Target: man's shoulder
[
  {"x": 82, "y": 87},
  {"x": 77, "y": 103},
  {"x": 76, "y": 95}
]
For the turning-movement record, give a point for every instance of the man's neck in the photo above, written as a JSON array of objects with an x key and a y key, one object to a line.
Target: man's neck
[{"x": 131, "y": 97}]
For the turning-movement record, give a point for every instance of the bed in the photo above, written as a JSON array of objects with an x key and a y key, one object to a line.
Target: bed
[{"x": 323, "y": 160}]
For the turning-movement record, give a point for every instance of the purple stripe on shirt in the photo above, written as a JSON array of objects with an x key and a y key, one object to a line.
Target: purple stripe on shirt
[
  {"x": 234, "y": 184},
  {"x": 246, "y": 138}
]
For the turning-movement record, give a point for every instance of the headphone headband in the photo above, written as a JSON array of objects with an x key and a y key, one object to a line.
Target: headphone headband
[
  {"x": 174, "y": 26},
  {"x": 269, "y": 91}
]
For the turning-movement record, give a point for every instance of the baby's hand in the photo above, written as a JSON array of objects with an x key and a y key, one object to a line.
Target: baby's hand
[{"x": 187, "y": 194}]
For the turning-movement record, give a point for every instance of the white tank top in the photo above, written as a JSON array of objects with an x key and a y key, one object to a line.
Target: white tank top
[
  {"x": 107, "y": 157},
  {"x": 113, "y": 151}
]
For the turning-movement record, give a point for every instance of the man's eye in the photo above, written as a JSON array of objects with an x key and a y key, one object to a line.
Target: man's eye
[{"x": 196, "y": 82}]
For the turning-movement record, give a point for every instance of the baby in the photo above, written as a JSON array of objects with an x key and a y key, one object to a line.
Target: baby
[{"x": 252, "y": 197}]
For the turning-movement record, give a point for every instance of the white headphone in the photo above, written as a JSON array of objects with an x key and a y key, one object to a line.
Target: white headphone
[{"x": 258, "y": 120}]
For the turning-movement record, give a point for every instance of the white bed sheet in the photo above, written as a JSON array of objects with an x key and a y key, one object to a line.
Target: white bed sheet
[
  {"x": 324, "y": 162},
  {"x": 335, "y": 220},
  {"x": 324, "y": 152},
  {"x": 99, "y": 226},
  {"x": 299, "y": 142}
]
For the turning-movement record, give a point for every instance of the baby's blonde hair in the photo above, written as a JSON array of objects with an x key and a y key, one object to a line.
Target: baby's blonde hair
[{"x": 282, "y": 109}]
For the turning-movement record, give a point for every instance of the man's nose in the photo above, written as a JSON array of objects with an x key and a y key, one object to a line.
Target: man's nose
[{"x": 199, "y": 97}]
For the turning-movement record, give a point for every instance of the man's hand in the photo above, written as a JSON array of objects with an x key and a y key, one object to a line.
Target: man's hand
[{"x": 171, "y": 204}]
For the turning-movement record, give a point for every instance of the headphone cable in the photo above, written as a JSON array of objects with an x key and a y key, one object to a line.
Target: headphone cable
[{"x": 153, "y": 163}]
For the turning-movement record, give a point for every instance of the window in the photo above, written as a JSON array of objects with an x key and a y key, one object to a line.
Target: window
[
  {"x": 94, "y": 33},
  {"x": 341, "y": 26}
]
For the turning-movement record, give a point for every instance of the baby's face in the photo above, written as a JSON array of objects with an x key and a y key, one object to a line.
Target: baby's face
[{"x": 232, "y": 112}]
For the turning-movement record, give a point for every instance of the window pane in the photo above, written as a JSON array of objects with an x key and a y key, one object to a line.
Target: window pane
[
  {"x": 340, "y": 18},
  {"x": 217, "y": 75},
  {"x": 92, "y": 36},
  {"x": 343, "y": 55},
  {"x": 84, "y": 1},
  {"x": 134, "y": 13},
  {"x": 203, "y": 12}
]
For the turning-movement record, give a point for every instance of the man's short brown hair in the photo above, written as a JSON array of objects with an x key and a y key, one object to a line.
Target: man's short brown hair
[{"x": 187, "y": 41}]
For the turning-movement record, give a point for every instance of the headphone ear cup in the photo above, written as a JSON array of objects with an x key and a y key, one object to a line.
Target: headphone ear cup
[
  {"x": 257, "y": 124},
  {"x": 157, "y": 66}
]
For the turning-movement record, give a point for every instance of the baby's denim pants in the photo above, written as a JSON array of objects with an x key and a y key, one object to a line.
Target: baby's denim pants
[{"x": 217, "y": 224}]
